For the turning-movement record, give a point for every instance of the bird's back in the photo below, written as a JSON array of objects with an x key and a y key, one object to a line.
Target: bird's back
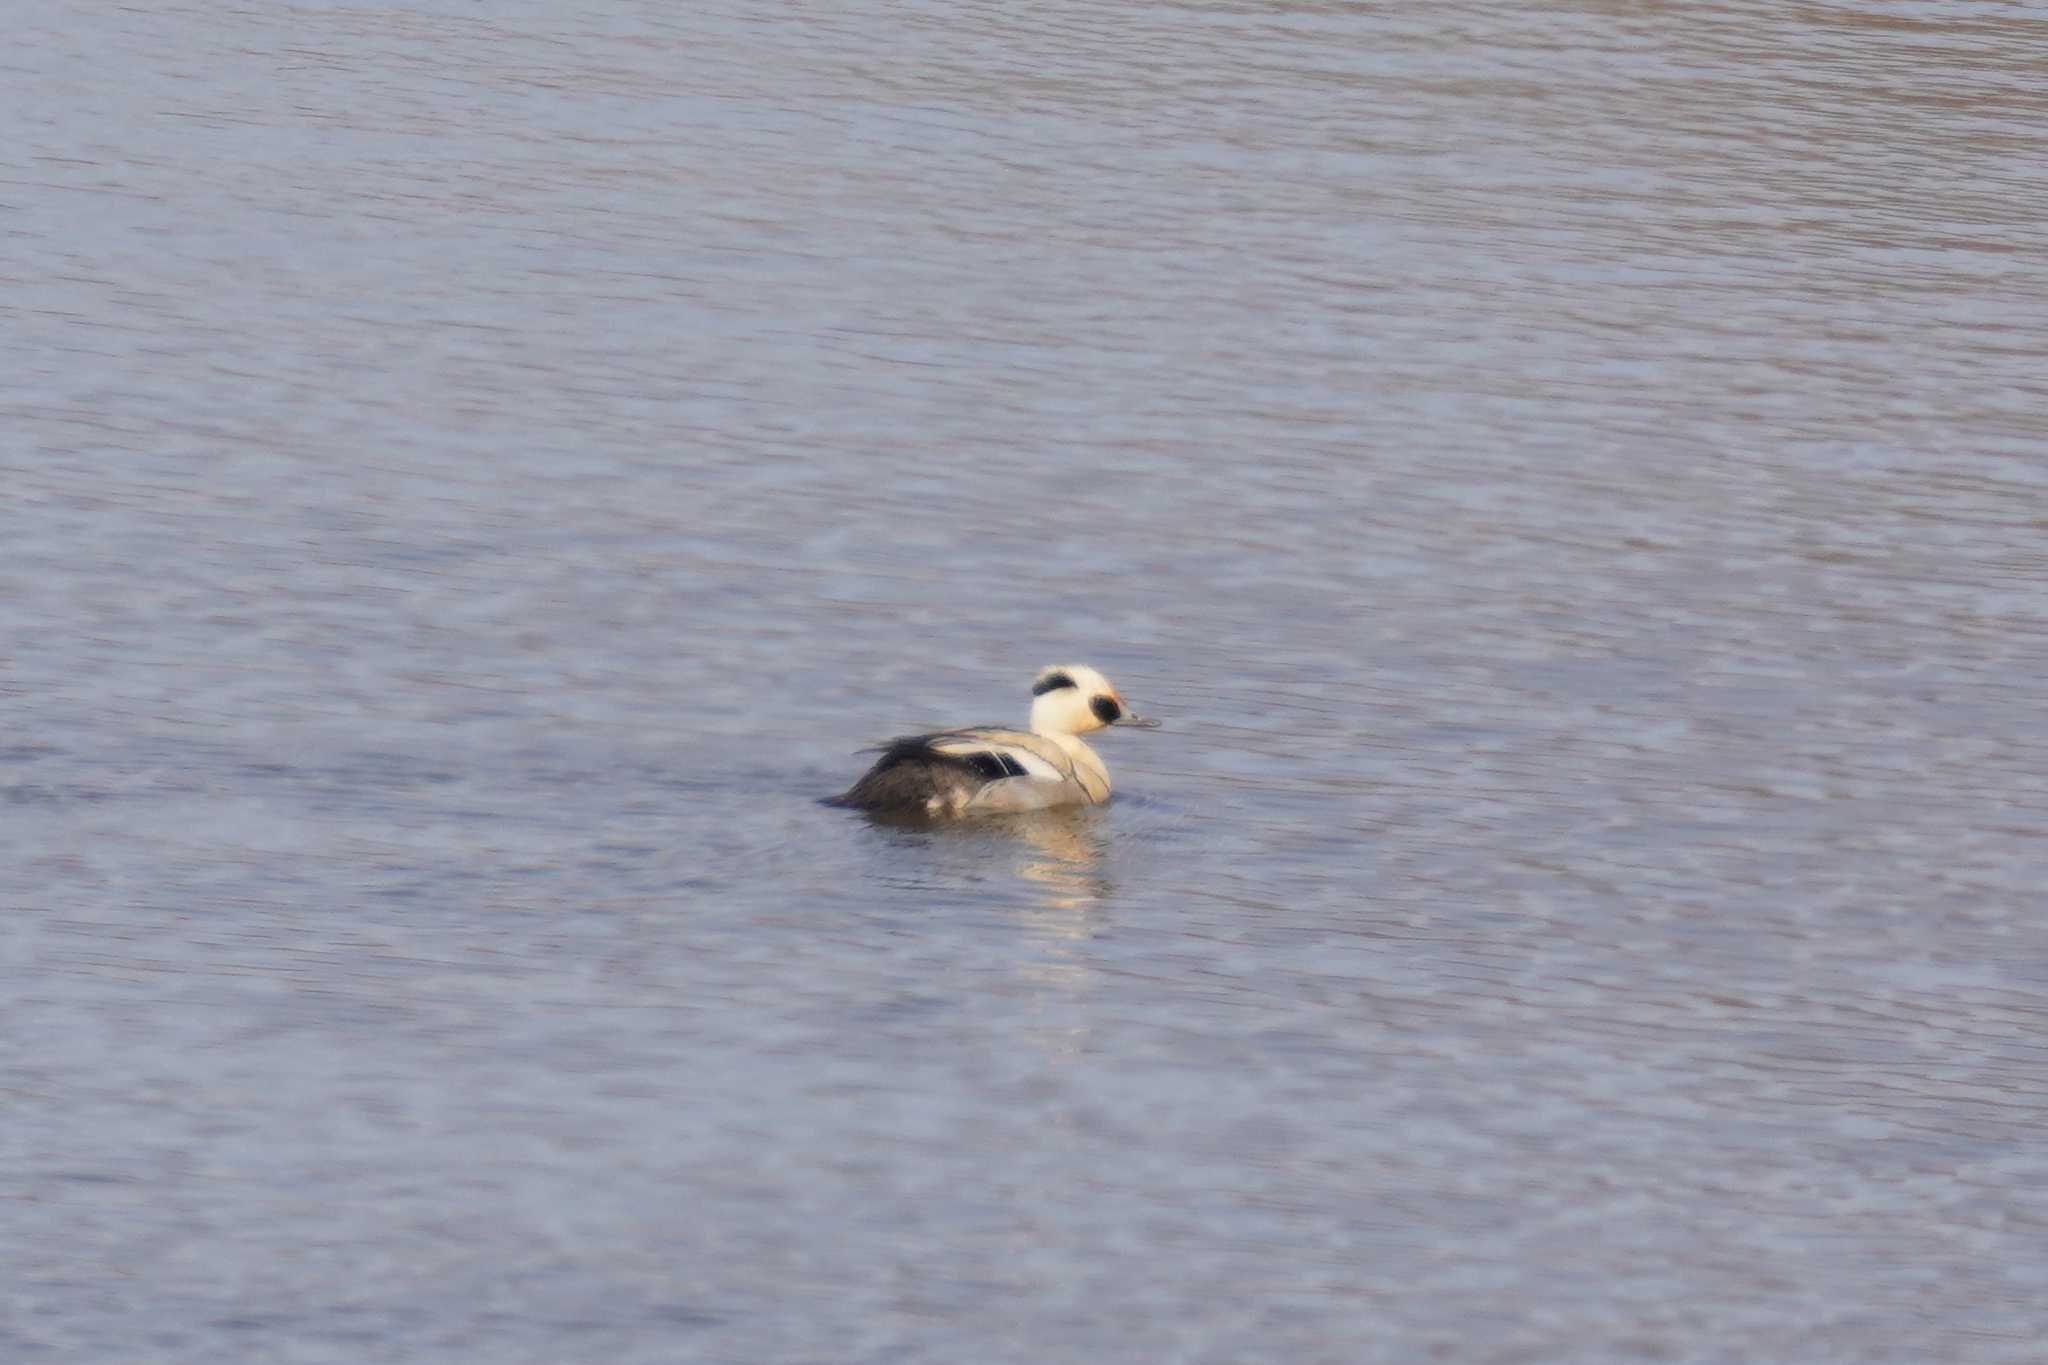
[{"x": 987, "y": 767}]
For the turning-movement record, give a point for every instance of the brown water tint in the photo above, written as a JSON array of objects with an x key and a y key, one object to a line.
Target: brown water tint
[{"x": 1571, "y": 477}]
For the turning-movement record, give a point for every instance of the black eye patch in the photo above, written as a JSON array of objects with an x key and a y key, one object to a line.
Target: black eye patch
[
  {"x": 1105, "y": 710},
  {"x": 1051, "y": 682}
]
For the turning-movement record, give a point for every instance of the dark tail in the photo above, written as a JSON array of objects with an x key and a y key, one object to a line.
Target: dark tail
[{"x": 910, "y": 774}]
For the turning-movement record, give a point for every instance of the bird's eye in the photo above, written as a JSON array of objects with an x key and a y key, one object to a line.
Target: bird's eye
[{"x": 1106, "y": 710}]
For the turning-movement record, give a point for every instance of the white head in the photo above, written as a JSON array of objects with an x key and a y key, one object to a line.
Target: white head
[{"x": 1073, "y": 699}]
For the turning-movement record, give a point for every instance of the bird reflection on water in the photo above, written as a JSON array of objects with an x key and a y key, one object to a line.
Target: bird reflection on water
[
  {"x": 1059, "y": 851},
  {"x": 1058, "y": 858}
]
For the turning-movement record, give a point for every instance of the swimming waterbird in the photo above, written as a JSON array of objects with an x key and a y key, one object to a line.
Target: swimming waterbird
[{"x": 987, "y": 768}]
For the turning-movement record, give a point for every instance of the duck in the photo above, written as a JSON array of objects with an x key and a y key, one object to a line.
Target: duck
[{"x": 990, "y": 769}]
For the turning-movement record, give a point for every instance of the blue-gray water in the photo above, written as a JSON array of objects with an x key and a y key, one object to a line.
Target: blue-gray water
[{"x": 1571, "y": 476}]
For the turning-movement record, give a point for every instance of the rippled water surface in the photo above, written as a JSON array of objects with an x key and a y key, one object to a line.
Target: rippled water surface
[{"x": 1570, "y": 476}]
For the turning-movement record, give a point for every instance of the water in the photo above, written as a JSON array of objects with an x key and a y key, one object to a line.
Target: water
[{"x": 1571, "y": 478}]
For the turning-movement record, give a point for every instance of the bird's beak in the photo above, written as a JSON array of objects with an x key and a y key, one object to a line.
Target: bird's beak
[{"x": 1137, "y": 722}]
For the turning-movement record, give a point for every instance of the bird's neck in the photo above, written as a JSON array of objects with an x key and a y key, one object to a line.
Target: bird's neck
[{"x": 1094, "y": 777}]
